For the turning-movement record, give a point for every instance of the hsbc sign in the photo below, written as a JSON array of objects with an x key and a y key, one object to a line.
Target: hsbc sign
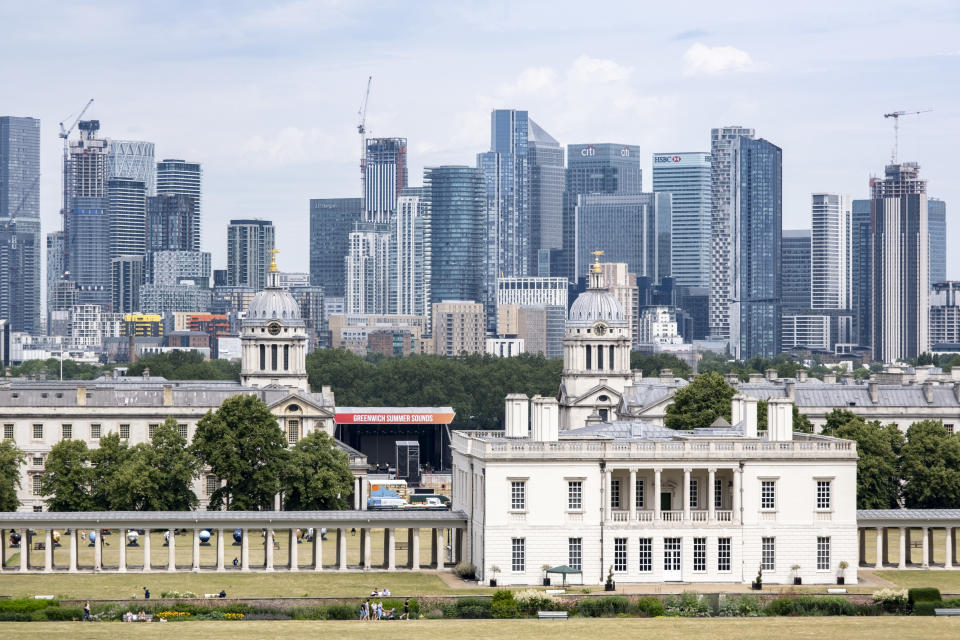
[{"x": 664, "y": 159}]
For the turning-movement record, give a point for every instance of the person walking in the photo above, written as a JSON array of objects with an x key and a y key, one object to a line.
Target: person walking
[
  {"x": 86, "y": 612},
  {"x": 363, "y": 611},
  {"x": 406, "y": 610}
]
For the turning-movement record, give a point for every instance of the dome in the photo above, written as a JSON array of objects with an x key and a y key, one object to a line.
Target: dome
[
  {"x": 273, "y": 304},
  {"x": 596, "y": 305}
]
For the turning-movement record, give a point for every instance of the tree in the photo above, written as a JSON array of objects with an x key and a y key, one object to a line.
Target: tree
[
  {"x": 317, "y": 476},
  {"x": 66, "y": 477},
  {"x": 653, "y": 364},
  {"x": 175, "y": 469},
  {"x": 186, "y": 365},
  {"x": 700, "y": 402},
  {"x": 836, "y": 419},
  {"x": 801, "y": 423},
  {"x": 931, "y": 467},
  {"x": 106, "y": 485},
  {"x": 244, "y": 446},
  {"x": 878, "y": 469},
  {"x": 11, "y": 458}
]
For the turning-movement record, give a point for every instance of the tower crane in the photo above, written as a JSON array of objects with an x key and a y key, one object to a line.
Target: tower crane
[
  {"x": 896, "y": 115},
  {"x": 65, "y": 134},
  {"x": 362, "y": 130}
]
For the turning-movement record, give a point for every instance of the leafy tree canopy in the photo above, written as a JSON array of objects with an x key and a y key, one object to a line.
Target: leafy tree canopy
[
  {"x": 66, "y": 477},
  {"x": 317, "y": 476},
  {"x": 11, "y": 458},
  {"x": 931, "y": 467},
  {"x": 878, "y": 469},
  {"x": 700, "y": 403},
  {"x": 653, "y": 364},
  {"x": 186, "y": 365}
]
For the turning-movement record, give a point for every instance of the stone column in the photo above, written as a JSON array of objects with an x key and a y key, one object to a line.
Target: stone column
[
  {"x": 24, "y": 550},
  {"x": 268, "y": 556},
  {"x": 245, "y": 550},
  {"x": 711, "y": 494},
  {"x": 413, "y": 548},
  {"x": 633, "y": 494},
  {"x": 607, "y": 488},
  {"x": 656, "y": 494},
  {"x": 317, "y": 549},
  {"x": 122, "y": 563},
  {"x": 861, "y": 546},
  {"x": 3, "y": 552},
  {"x": 196, "y": 550},
  {"x": 458, "y": 547},
  {"x": 390, "y": 549},
  {"x": 442, "y": 547},
  {"x": 74, "y": 538},
  {"x": 737, "y": 479},
  {"x": 98, "y": 551},
  {"x": 171, "y": 550},
  {"x": 948, "y": 548},
  {"x": 146, "y": 551},
  {"x": 878, "y": 563},
  {"x": 342, "y": 549},
  {"x": 220, "y": 550},
  {"x": 294, "y": 552},
  {"x": 903, "y": 548},
  {"x": 434, "y": 555},
  {"x": 365, "y": 544},
  {"x": 686, "y": 494},
  {"x": 48, "y": 551},
  {"x": 356, "y": 492},
  {"x": 926, "y": 547},
  {"x": 886, "y": 546}
]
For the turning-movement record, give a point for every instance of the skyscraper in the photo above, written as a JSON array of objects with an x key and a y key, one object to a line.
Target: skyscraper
[
  {"x": 686, "y": 177},
  {"x": 937, "y": 226},
  {"x": 795, "y": 274},
  {"x": 20, "y": 249},
  {"x": 384, "y": 177},
  {"x": 132, "y": 160},
  {"x": 127, "y": 278},
  {"x": 249, "y": 247},
  {"x": 55, "y": 266},
  {"x": 861, "y": 271},
  {"x": 410, "y": 255},
  {"x": 457, "y": 204},
  {"x": 901, "y": 264},
  {"x": 547, "y": 179},
  {"x": 182, "y": 178},
  {"x": 331, "y": 221},
  {"x": 173, "y": 224},
  {"x": 830, "y": 251},
  {"x": 754, "y": 252},
  {"x": 127, "y": 216},
  {"x": 367, "y": 270},
  {"x": 722, "y": 203}
]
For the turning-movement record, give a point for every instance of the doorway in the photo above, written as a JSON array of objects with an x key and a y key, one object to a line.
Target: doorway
[{"x": 671, "y": 560}]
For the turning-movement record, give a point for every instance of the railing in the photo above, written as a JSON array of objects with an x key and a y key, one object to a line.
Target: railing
[
  {"x": 671, "y": 516},
  {"x": 823, "y": 515},
  {"x": 647, "y": 515},
  {"x": 698, "y": 516},
  {"x": 723, "y": 516},
  {"x": 492, "y": 443},
  {"x": 621, "y": 516}
]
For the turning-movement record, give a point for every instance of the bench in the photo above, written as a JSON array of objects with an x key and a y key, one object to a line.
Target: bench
[
  {"x": 841, "y": 590},
  {"x": 946, "y": 612},
  {"x": 552, "y": 615},
  {"x": 211, "y": 595},
  {"x": 556, "y": 592}
]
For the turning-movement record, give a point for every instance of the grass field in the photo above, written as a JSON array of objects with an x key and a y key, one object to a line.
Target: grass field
[
  {"x": 946, "y": 581},
  {"x": 661, "y": 628}
]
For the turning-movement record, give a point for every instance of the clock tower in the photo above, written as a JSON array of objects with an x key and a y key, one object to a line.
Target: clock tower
[
  {"x": 274, "y": 338},
  {"x": 596, "y": 355}
]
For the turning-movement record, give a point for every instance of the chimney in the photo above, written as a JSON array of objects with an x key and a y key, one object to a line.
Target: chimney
[
  {"x": 638, "y": 375},
  {"x": 874, "y": 390},
  {"x": 779, "y": 420},
  {"x": 517, "y": 416},
  {"x": 829, "y": 378},
  {"x": 168, "y": 395},
  {"x": 801, "y": 375},
  {"x": 81, "y": 396},
  {"x": 771, "y": 374},
  {"x": 749, "y": 417},
  {"x": 755, "y": 378},
  {"x": 736, "y": 408},
  {"x": 928, "y": 391},
  {"x": 546, "y": 419},
  {"x": 666, "y": 376},
  {"x": 956, "y": 390},
  {"x": 847, "y": 378},
  {"x": 732, "y": 379},
  {"x": 788, "y": 386},
  {"x": 146, "y": 373}
]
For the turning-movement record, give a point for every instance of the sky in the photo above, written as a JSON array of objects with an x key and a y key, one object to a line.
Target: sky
[{"x": 266, "y": 94}]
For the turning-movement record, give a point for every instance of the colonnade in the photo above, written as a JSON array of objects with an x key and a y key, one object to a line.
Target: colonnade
[{"x": 907, "y": 545}]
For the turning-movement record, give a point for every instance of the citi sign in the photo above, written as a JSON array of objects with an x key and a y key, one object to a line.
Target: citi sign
[
  {"x": 589, "y": 151},
  {"x": 662, "y": 159}
]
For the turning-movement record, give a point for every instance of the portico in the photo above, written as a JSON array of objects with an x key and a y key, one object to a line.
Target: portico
[{"x": 670, "y": 494}]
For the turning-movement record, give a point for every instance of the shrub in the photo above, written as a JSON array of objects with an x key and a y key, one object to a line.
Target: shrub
[
  {"x": 26, "y": 605},
  {"x": 503, "y": 604},
  {"x": 434, "y": 613},
  {"x": 341, "y": 612},
  {"x": 466, "y": 570},
  {"x": 606, "y": 606},
  {"x": 824, "y": 606},
  {"x": 891, "y": 600},
  {"x": 530, "y": 601},
  {"x": 16, "y": 616},
  {"x": 63, "y": 613},
  {"x": 923, "y": 594},
  {"x": 952, "y": 603},
  {"x": 473, "y": 608},
  {"x": 926, "y": 607},
  {"x": 741, "y": 607},
  {"x": 649, "y": 607},
  {"x": 780, "y": 607},
  {"x": 688, "y": 605}
]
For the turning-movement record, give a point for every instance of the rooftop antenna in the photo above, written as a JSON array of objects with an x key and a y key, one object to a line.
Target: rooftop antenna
[{"x": 896, "y": 115}]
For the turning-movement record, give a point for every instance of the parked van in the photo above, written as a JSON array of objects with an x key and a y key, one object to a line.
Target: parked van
[{"x": 424, "y": 498}]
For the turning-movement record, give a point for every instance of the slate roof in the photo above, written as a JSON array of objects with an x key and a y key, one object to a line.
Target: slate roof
[
  {"x": 853, "y": 395},
  {"x": 908, "y": 514}
]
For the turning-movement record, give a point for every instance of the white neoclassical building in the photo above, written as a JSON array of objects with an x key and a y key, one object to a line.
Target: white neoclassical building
[{"x": 571, "y": 482}]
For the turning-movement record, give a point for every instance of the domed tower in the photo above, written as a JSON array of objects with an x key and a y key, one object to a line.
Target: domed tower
[
  {"x": 274, "y": 338},
  {"x": 596, "y": 355}
]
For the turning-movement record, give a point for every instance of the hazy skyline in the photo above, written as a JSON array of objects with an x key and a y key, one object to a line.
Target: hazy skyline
[{"x": 266, "y": 97}]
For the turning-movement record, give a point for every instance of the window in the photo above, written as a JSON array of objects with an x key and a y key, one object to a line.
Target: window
[
  {"x": 671, "y": 554},
  {"x": 183, "y": 431},
  {"x": 638, "y": 494},
  {"x": 273, "y": 357},
  {"x": 620, "y": 555},
  {"x": 699, "y": 554},
  {"x": 38, "y": 432},
  {"x": 768, "y": 555},
  {"x": 37, "y": 461},
  {"x": 37, "y": 481},
  {"x": 694, "y": 494},
  {"x": 124, "y": 432},
  {"x": 646, "y": 554},
  {"x": 286, "y": 357},
  {"x": 518, "y": 495},
  {"x": 94, "y": 432},
  {"x": 38, "y": 508},
  {"x": 66, "y": 431},
  {"x": 575, "y": 495},
  {"x": 614, "y": 494},
  {"x": 575, "y": 553},
  {"x": 519, "y": 554},
  {"x": 151, "y": 429},
  {"x": 211, "y": 485},
  {"x": 768, "y": 494},
  {"x": 723, "y": 554},
  {"x": 8, "y": 432},
  {"x": 823, "y": 494},
  {"x": 823, "y": 553},
  {"x": 718, "y": 493},
  {"x": 263, "y": 357},
  {"x": 293, "y": 431},
  {"x": 589, "y": 352}
]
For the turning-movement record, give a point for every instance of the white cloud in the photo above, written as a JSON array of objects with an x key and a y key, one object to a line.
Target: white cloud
[
  {"x": 587, "y": 70},
  {"x": 531, "y": 80},
  {"x": 700, "y": 59}
]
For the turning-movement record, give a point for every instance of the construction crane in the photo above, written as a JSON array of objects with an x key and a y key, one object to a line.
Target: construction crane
[
  {"x": 65, "y": 134},
  {"x": 896, "y": 115},
  {"x": 362, "y": 130}
]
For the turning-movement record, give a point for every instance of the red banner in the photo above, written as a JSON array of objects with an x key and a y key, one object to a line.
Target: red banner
[{"x": 400, "y": 417}]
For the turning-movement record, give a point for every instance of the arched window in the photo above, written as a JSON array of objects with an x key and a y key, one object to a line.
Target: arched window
[
  {"x": 589, "y": 355},
  {"x": 286, "y": 357},
  {"x": 263, "y": 357},
  {"x": 273, "y": 356},
  {"x": 600, "y": 357},
  {"x": 611, "y": 357}
]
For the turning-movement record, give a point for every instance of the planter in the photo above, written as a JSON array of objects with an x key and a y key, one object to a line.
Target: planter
[
  {"x": 798, "y": 580},
  {"x": 610, "y": 587},
  {"x": 840, "y": 580},
  {"x": 493, "y": 582},
  {"x": 756, "y": 586},
  {"x": 546, "y": 582}
]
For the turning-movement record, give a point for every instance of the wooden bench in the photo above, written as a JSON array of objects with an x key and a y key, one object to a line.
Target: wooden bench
[
  {"x": 555, "y": 592},
  {"x": 552, "y": 615},
  {"x": 946, "y": 612},
  {"x": 837, "y": 590}
]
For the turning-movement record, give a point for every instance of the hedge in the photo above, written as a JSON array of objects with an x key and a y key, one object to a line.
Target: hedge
[
  {"x": 473, "y": 608},
  {"x": 923, "y": 594},
  {"x": 603, "y": 607}
]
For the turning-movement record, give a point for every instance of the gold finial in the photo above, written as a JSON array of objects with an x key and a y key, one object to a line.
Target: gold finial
[
  {"x": 273, "y": 260},
  {"x": 596, "y": 261}
]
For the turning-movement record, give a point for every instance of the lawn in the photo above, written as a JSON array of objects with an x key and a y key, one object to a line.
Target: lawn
[
  {"x": 946, "y": 581},
  {"x": 661, "y": 628}
]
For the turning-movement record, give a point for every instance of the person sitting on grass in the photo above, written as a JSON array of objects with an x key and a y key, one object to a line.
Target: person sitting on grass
[
  {"x": 375, "y": 593},
  {"x": 385, "y": 592}
]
